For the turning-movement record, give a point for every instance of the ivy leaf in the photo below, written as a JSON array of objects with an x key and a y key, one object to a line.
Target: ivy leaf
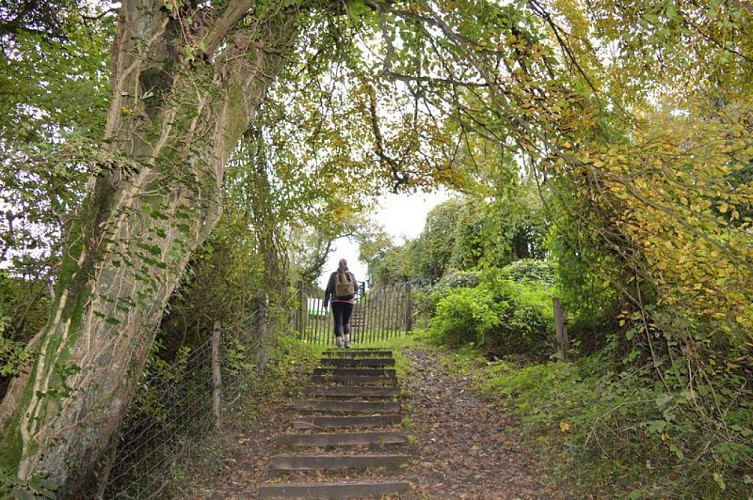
[{"x": 719, "y": 480}]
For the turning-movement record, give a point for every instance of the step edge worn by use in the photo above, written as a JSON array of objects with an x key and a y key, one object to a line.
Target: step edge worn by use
[
  {"x": 357, "y": 361},
  {"x": 364, "y": 489},
  {"x": 340, "y": 405},
  {"x": 346, "y": 439},
  {"x": 285, "y": 463},
  {"x": 316, "y": 388},
  {"x": 367, "y": 371},
  {"x": 346, "y": 422}
]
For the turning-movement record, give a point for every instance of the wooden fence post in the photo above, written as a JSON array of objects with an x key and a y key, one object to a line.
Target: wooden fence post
[
  {"x": 302, "y": 313},
  {"x": 216, "y": 376},
  {"x": 408, "y": 308},
  {"x": 563, "y": 343},
  {"x": 262, "y": 326}
]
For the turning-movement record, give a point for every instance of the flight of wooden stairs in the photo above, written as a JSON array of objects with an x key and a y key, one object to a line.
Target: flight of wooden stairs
[{"x": 347, "y": 441}]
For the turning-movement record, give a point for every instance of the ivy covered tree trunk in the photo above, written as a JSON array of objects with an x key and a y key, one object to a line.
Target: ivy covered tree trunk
[
  {"x": 185, "y": 84},
  {"x": 264, "y": 212}
]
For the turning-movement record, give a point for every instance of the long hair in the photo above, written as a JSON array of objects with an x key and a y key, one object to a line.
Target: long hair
[{"x": 342, "y": 266}]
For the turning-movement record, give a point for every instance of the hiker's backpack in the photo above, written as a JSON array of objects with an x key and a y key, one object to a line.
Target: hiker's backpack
[{"x": 345, "y": 286}]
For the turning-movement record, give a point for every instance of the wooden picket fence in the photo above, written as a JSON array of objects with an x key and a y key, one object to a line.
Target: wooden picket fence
[{"x": 379, "y": 314}]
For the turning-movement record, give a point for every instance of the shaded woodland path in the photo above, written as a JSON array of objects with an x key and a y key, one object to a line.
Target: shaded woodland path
[
  {"x": 461, "y": 446},
  {"x": 465, "y": 447}
]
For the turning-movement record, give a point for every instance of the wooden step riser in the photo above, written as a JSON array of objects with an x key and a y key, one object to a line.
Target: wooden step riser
[
  {"x": 286, "y": 463},
  {"x": 362, "y": 349},
  {"x": 355, "y": 380},
  {"x": 340, "y": 371},
  {"x": 353, "y": 392},
  {"x": 348, "y": 439},
  {"x": 356, "y": 363},
  {"x": 348, "y": 406},
  {"x": 355, "y": 397},
  {"x": 351, "y": 354},
  {"x": 352, "y": 422},
  {"x": 334, "y": 490}
]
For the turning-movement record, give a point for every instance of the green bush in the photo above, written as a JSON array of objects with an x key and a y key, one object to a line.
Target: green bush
[
  {"x": 530, "y": 272},
  {"x": 529, "y": 328},
  {"x": 12, "y": 355},
  {"x": 24, "y": 306},
  {"x": 450, "y": 282},
  {"x": 465, "y": 316},
  {"x": 422, "y": 307},
  {"x": 498, "y": 316}
]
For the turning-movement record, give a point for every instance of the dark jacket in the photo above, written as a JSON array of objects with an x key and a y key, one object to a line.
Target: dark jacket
[{"x": 329, "y": 292}]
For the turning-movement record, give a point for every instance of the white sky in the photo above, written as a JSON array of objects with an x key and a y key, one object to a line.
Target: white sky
[{"x": 403, "y": 217}]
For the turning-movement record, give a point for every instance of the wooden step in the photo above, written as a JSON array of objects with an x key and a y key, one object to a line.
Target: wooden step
[
  {"x": 357, "y": 392},
  {"x": 283, "y": 463},
  {"x": 345, "y": 439},
  {"x": 314, "y": 423},
  {"x": 357, "y": 354},
  {"x": 333, "y": 391},
  {"x": 347, "y": 406},
  {"x": 358, "y": 362},
  {"x": 345, "y": 371},
  {"x": 355, "y": 380},
  {"x": 365, "y": 489},
  {"x": 365, "y": 349}
]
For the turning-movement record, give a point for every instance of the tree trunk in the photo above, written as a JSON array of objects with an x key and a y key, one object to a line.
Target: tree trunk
[{"x": 173, "y": 121}]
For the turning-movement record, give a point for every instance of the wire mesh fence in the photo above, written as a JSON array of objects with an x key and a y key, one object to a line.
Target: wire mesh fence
[
  {"x": 178, "y": 404},
  {"x": 171, "y": 405},
  {"x": 380, "y": 314}
]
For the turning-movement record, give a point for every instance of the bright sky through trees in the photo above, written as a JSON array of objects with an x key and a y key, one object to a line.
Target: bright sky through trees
[{"x": 402, "y": 215}]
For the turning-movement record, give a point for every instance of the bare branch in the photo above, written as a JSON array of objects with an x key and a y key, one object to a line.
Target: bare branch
[{"x": 220, "y": 28}]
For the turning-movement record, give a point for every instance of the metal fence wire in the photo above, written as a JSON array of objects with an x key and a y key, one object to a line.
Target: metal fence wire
[
  {"x": 174, "y": 404},
  {"x": 174, "y": 407}
]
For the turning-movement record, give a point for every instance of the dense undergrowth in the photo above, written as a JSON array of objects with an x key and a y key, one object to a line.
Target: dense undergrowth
[
  {"x": 653, "y": 402},
  {"x": 500, "y": 311},
  {"x": 616, "y": 431},
  {"x": 23, "y": 305}
]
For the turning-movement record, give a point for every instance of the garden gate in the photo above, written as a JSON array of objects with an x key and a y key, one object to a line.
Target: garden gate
[{"x": 379, "y": 314}]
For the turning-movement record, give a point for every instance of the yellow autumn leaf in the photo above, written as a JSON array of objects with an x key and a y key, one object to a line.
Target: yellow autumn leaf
[{"x": 664, "y": 436}]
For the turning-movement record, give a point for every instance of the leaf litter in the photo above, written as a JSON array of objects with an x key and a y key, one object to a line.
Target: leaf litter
[{"x": 462, "y": 447}]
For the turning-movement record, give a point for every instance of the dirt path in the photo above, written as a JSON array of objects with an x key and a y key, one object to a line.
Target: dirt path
[
  {"x": 462, "y": 447},
  {"x": 465, "y": 448}
]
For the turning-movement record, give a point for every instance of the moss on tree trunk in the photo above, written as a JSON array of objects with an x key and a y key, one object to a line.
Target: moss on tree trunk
[{"x": 155, "y": 200}]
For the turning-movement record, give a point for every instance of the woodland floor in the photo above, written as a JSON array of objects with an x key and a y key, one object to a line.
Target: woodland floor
[{"x": 463, "y": 447}]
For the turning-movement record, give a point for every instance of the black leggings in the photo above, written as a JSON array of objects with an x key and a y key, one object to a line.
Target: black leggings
[{"x": 341, "y": 312}]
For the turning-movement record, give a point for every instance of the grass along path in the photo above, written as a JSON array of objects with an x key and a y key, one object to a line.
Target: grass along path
[{"x": 464, "y": 446}]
